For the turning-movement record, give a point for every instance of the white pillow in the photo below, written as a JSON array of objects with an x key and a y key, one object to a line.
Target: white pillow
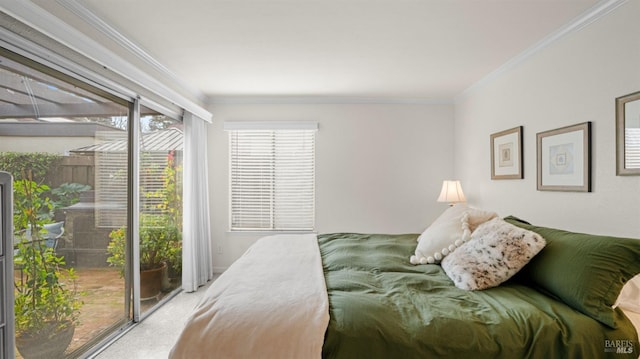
[
  {"x": 629, "y": 297},
  {"x": 448, "y": 232},
  {"x": 496, "y": 251}
]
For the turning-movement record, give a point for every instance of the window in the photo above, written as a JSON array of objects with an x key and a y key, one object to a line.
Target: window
[{"x": 272, "y": 175}]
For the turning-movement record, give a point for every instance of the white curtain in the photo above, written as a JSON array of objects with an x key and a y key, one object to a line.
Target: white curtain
[{"x": 197, "y": 267}]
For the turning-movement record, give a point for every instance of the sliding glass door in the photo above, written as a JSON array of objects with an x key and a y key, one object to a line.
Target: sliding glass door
[
  {"x": 51, "y": 135},
  {"x": 69, "y": 148}
]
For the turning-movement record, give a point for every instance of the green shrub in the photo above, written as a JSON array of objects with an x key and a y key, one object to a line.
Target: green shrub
[
  {"x": 36, "y": 166},
  {"x": 45, "y": 291},
  {"x": 160, "y": 242}
]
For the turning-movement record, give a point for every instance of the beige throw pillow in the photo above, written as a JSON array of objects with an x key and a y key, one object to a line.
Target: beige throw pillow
[
  {"x": 448, "y": 232},
  {"x": 628, "y": 297}
]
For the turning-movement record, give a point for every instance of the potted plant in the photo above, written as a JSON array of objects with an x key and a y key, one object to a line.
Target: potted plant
[
  {"x": 46, "y": 299},
  {"x": 160, "y": 241},
  {"x": 160, "y": 234}
]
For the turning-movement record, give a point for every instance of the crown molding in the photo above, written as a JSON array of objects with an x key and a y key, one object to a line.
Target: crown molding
[
  {"x": 324, "y": 100},
  {"x": 596, "y": 12},
  {"x": 57, "y": 29}
]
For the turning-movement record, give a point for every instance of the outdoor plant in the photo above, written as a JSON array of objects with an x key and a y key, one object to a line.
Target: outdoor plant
[
  {"x": 159, "y": 237},
  {"x": 160, "y": 226},
  {"x": 42, "y": 200},
  {"x": 36, "y": 166},
  {"x": 170, "y": 194},
  {"x": 116, "y": 248},
  {"x": 67, "y": 194},
  {"x": 32, "y": 208},
  {"x": 46, "y": 297},
  {"x": 160, "y": 242},
  {"x": 172, "y": 205}
]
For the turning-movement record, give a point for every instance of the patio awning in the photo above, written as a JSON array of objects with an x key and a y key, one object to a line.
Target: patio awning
[
  {"x": 158, "y": 141},
  {"x": 26, "y": 93}
]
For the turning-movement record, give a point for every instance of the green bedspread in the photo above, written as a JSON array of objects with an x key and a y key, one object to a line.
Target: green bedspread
[{"x": 383, "y": 307}]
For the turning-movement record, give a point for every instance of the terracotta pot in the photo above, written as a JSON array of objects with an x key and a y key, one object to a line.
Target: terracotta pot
[
  {"x": 48, "y": 344},
  {"x": 151, "y": 282}
]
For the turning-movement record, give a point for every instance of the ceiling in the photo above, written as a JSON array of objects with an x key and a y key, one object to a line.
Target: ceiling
[{"x": 395, "y": 49}]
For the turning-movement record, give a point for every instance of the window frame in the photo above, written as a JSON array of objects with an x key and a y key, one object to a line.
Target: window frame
[{"x": 272, "y": 129}]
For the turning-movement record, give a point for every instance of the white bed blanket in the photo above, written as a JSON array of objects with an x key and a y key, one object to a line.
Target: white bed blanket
[{"x": 271, "y": 303}]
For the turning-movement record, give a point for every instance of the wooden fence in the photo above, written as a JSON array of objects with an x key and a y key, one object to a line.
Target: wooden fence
[{"x": 75, "y": 169}]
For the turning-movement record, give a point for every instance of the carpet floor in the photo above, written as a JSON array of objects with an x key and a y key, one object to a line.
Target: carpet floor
[{"x": 154, "y": 337}]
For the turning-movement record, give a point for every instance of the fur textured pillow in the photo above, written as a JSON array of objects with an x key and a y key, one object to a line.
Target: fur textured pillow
[
  {"x": 448, "y": 232},
  {"x": 496, "y": 251}
]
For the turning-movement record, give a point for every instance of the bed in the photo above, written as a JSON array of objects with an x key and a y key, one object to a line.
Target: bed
[{"x": 348, "y": 295}]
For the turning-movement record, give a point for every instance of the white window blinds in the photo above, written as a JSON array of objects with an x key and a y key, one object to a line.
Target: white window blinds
[
  {"x": 272, "y": 175},
  {"x": 632, "y": 147}
]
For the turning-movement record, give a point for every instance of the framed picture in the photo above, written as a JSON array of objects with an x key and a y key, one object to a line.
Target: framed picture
[
  {"x": 628, "y": 135},
  {"x": 564, "y": 159},
  {"x": 506, "y": 154}
]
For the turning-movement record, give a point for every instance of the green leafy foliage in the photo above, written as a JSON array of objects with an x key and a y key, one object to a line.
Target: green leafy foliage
[
  {"x": 116, "y": 248},
  {"x": 35, "y": 166},
  {"x": 68, "y": 194},
  {"x": 170, "y": 194},
  {"x": 159, "y": 238},
  {"x": 32, "y": 207},
  {"x": 45, "y": 291},
  {"x": 31, "y": 171},
  {"x": 160, "y": 234},
  {"x": 160, "y": 242}
]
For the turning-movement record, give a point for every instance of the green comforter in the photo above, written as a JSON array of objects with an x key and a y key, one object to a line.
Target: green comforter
[{"x": 383, "y": 307}]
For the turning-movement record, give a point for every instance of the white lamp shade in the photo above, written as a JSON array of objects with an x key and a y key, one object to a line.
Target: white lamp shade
[{"x": 451, "y": 192}]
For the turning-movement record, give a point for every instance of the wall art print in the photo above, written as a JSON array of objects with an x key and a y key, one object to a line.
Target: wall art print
[
  {"x": 506, "y": 154},
  {"x": 564, "y": 159}
]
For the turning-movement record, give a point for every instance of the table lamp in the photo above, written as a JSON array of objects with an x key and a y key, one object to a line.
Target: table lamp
[{"x": 451, "y": 192}]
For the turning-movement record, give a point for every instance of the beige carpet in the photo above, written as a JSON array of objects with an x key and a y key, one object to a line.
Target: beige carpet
[{"x": 154, "y": 337}]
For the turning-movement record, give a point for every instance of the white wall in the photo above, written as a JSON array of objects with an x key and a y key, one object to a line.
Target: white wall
[
  {"x": 379, "y": 168},
  {"x": 59, "y": 145},
  {"x": 574, "y": 80}
]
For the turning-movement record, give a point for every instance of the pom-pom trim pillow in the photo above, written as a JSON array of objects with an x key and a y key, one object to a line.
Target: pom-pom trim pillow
[
  {"x": 496, "y": 251},
  {"x": 448, "y": 232}
]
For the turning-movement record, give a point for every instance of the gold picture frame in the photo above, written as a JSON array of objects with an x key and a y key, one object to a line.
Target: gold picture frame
[
  {"x": 506, "y": 154},
  {"x": 564, "y": 159}
]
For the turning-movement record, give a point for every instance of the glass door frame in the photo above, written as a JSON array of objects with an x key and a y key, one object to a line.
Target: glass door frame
[
  {"x": 133, "y": 227},
  {"x": 132, "y": 301},
  {"x": 7, "y": 349}
]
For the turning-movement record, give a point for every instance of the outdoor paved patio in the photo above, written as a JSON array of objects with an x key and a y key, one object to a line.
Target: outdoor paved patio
[{"x": 103, "y": 297}]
